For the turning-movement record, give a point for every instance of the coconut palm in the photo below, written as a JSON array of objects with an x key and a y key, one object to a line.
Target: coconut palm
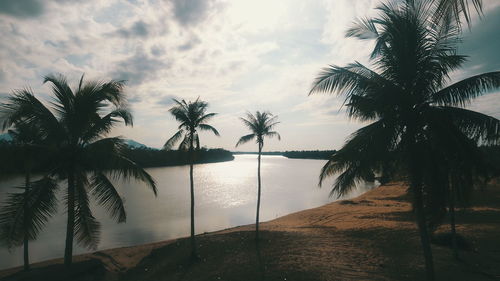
[
  {"x": 23, "y": 215},
  {"x": 193, "y": 118},
  {"x": 414, "y": 110},
  {"x": 25, "y": 139},
  {"x": 75, "y": 125},
  {"x": 261, "y": 125}
]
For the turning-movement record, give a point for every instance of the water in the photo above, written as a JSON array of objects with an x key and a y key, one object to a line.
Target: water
[{"x": 225, "y": 196}]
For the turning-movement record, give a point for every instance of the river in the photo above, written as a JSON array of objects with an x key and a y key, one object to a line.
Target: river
[{"x": 226, "y": 195}]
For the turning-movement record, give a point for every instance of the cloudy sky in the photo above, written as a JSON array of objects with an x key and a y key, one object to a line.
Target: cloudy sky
[{"x": 238, "y": 55}]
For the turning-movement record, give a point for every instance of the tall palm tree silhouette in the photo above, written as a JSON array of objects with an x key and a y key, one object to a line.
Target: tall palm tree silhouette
[
  {"x": 261, "y": 125},
  {"x": 75, "y": 126},
  {"x": 193, "y": 118},
  {"x": 413, "y": 109}
]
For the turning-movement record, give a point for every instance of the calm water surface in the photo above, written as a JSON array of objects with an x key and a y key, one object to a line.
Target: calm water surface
[{"x": 225, "y": 196}]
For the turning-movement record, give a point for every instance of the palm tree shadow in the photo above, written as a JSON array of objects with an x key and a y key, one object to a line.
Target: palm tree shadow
[
  {"x": 260, "y": 264},
  {"x": 92, "y": 269}
]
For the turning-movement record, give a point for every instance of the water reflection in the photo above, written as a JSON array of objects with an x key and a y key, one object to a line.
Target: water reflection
[{"x": 225, "y": 197}]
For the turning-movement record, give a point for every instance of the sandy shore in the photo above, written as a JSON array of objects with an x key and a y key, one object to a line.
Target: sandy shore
[{"x": 371, "y": 237}]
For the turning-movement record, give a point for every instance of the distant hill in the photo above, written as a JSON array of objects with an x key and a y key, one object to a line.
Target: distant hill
[{"x": 136, "y": 145}]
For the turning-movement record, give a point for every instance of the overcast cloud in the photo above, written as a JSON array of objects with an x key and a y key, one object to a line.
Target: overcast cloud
[{"x": 238, "y": 55}]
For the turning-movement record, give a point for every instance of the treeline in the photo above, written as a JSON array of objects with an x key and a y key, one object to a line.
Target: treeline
[
  {"x": 298, "y": 154},
  {"x": 12, "y": 158},
  {"x": 146, "y": 157},
  {"x": 309, "y": 154},
  {"x": 279, "y": 153}
]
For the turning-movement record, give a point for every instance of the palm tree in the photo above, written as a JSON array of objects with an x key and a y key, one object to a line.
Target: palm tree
[
  {"x": 23, "y": 215},
  {"x": 75, "y": 125},
  {"x": 415, "y": 112},
  {"x": 193, "y": 118},
  {"x": 261, "y": 125},
  {"x": 25, "y": 138}
]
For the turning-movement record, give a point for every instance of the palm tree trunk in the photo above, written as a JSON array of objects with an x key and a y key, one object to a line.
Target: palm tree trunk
[
  {"x": 452, "y": 223},
  {"x": 191, "y": 160},
  {"x": 68, "y": 251},
  {"x": 258, "y": 195},
  {"x": 422, "y": 228},
  {"x": 26, "y": 222}
]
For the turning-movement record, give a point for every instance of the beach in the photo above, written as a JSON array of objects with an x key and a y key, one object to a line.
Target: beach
[{"x": 370, "y": 237}]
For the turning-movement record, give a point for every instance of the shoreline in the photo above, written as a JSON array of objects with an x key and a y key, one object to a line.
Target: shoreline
[
  {"x": 356, "y": 228},
  {"x": 142, "y": 250}
]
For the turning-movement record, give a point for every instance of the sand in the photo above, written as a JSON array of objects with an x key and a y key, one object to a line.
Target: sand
[{"x": 371, "y": 237}]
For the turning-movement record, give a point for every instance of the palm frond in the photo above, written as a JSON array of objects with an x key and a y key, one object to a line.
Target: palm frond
[
  {"x": 24, "y": 107},
  {"x": 250, "y": 124},
  {"x": 206, "y": 117},
  {"x": 273, "y": 134},
  {"x": 270, "y": 121},
  {"x": 363, "y": 28},
  {"x": 462, "y": 93},
  {"x": 107, "y": 156},
  {"x": 172, "y": 140},
  {"x": 87, "y": 228},
  {"x": 100, "y": 126},
  {"x": 180, "y": 114},
  {"x": 477, "y": 126},
  {"x": 346, "y": 80},
  {"x": 185, "y": 143},
  {"x": 112, "y": 91},
  {"x": 245, "y": 139},
  {"x": 40, "y": 203},
  {"x": 205, "y": 127},
  {"x": 107, "y": 196},
  {"x": 456, "y": 8},
  {"x": 62, "y": 91},
  {"x": 363, "y": 153}
]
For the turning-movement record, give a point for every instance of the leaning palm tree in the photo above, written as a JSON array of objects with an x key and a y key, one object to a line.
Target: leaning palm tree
[
  {"x": 193, "y": 118},
  {"x": 261, "y": 125},
  {"x": 75, "y": 126},
  {"x": 414, "y": 109}
]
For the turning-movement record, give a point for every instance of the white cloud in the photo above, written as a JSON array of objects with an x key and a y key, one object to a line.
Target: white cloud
[{"x": 238, "y": 55}]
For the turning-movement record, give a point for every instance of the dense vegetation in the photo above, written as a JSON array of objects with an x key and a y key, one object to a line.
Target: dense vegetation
[
  {"x": 159, "y": 158},
  {"x": 309, "y": 154},
  {"x": 143, "y": 157},
  {"x": 298, "y": 154}
]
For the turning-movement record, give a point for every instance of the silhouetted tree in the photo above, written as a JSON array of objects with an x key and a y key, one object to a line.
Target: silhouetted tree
[
  {"x": 75, "y": 126},
  {"x": 23, "y": 214},
  {"x": 261, "y": 125},
  {"x": 193, "y": 118},
  {"x": 407, "y": 96}
]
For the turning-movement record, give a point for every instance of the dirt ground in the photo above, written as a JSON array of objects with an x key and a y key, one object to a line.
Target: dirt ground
[{"x": 371, "y": 237}]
